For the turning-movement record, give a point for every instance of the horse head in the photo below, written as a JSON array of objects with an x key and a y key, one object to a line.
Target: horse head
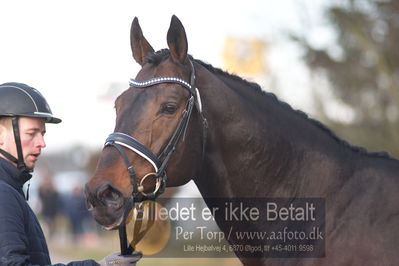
[{"x": 158, "y": 116}]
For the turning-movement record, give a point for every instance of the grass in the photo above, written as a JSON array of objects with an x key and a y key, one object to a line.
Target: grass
[{"x": 63, "y": 249}]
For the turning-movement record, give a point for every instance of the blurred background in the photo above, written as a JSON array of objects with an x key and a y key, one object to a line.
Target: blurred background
[{"x": 337, "y": 60}]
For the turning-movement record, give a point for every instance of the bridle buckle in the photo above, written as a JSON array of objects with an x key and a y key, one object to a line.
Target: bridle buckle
[{"x": 158, "y": 185}]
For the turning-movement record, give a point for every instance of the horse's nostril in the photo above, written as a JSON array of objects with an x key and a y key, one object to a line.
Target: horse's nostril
[
  {"x": 110, "y": 196},
  {"x": 89, "y": 205}
]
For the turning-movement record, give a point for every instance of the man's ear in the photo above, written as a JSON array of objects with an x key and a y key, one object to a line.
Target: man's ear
[
  {"x": 2, "y": 134},
  {"x": 4, "y": 122}
]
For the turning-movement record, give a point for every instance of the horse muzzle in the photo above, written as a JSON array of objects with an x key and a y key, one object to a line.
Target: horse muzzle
[{"x": 107, "y": 205}]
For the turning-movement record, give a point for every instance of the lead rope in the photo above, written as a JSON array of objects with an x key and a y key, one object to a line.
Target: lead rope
[{"x": 126, "y": 248}]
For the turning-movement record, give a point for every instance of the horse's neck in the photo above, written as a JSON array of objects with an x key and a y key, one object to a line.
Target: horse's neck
[{"x": 259, "y": 148}]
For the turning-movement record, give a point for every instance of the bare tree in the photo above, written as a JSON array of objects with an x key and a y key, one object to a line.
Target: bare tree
[{"x": 365, "y": 75}]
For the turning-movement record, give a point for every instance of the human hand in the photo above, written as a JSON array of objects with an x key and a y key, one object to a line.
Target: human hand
[{"x": 120, "y": 260}]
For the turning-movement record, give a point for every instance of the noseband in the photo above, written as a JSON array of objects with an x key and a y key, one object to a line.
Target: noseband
[{"x": 160, "y": 162}]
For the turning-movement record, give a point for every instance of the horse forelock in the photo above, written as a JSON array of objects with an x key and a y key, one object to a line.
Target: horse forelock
[{"x": 157, "y": 57}]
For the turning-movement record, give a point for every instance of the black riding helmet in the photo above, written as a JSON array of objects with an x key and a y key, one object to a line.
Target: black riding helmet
[{"x": 16, "y": 100}]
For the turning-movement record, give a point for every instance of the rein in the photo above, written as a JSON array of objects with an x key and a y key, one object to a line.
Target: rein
[{"x": 121, "y": 140}]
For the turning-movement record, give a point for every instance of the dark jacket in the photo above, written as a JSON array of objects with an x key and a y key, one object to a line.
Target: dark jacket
[{"x": 21, "y": 238}]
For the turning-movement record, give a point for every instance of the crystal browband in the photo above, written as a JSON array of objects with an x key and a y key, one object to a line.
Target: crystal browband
[{"x": 159, "y": 80}]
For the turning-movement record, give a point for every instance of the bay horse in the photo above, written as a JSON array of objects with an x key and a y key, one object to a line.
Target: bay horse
[{"x": 235, "y": 140}]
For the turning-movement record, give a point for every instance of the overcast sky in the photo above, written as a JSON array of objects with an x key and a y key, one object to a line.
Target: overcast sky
[{"x": 72, "y": 51}]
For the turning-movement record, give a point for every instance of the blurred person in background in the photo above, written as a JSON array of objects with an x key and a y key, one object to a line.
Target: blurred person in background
[
  {"x": 78, "y": 215},
  {"x": 50, "y": 201},
  {"x": 23, "y": 114}
]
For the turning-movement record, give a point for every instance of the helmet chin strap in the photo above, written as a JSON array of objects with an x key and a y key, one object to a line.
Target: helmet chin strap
[
  {"x": 15, "y": 126},
  {"x": 20, "y": 161},
  {"x": 9, "y": 156}
]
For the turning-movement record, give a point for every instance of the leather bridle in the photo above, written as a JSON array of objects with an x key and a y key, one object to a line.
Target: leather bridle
[
  {"x": 160, "y": 162},
  {"x": 121, "y": 140}
]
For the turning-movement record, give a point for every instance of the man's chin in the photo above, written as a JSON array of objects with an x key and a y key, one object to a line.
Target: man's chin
[{"x": 30, "y": 166}]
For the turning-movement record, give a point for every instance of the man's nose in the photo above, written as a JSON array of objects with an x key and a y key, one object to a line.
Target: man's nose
[{"x": 41, "y": 143}]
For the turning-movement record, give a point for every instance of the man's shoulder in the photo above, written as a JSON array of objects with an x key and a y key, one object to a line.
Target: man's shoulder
[
  {"x": 13, "y": 207},
  {"x": 10, "y": 195},
  {"x": 6, "y": 188}
]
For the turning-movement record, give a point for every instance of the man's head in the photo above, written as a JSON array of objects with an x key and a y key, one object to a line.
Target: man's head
[
  {"x": 32, "y": 132},
  {"x": 23, "y": 114}
]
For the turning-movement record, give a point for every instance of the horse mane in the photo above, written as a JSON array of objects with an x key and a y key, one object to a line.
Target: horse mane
[{"x": 157, "y": 57}]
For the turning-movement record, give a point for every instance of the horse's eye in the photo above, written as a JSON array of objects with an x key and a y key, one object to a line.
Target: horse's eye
[{"x": 168, "y": 108}]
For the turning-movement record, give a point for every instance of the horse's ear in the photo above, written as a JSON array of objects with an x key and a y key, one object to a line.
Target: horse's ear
[
  {"x": 139, "y": 44},
  {"x": 177, "y": 40}
]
